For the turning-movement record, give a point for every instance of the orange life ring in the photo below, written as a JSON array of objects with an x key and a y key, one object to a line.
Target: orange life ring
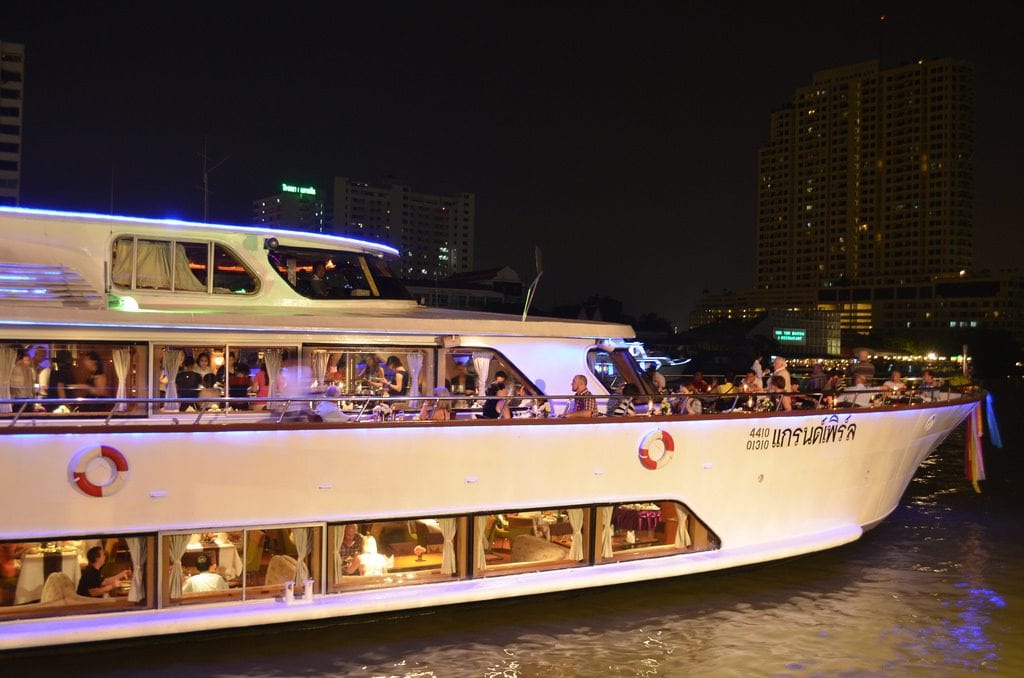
[
  {"x": 118, "y": 466},
  {"x": 656, "y": 450}
]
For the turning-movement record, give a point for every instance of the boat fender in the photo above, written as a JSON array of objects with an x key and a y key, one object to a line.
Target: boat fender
[
  {"x": 656, "y": 450},
  {"x": 118, "y": 465}
]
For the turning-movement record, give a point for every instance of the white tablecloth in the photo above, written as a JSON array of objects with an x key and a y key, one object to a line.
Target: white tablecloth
[{"x": 31, "y": 580}]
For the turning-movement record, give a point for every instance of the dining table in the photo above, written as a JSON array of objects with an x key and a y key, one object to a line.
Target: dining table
[{"x": 37, "y": 565}]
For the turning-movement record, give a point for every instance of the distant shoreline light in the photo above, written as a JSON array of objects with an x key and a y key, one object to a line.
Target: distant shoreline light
[{"x": 255, "y": 230}]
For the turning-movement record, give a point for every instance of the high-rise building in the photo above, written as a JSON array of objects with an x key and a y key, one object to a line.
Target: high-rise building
[
  {"x": 869, "y": 176},
  {"x": 865, "y": 206},
  {"x": 12, "y": 88},
  {"x": 434, "y": 233},
  {"x": 297, "y": 207}
]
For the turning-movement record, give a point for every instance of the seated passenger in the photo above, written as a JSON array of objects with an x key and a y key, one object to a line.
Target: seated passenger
[
  {"x": 209, "y": 390},
  {"x": 895, "y": 387},
  {"x": 583, "y": 405},
  {"x": 372, "y": 371},
  {"x": 318, "y": 283},
  {"x": 351, "y": 548},
  {"x": 328, "y": 410},
  {"x": 697, "y": 384},
  {"x": 436, "y": 410},
  {"x": 371, "y": 563},
  {"x": 777, "y": 387},
  {"x": 95, "y": 385},
  {"x": 625, "y": 407},
  {"x": 816, "y": 382},
  {"x": 928, "y": 386},
  {"x": 188, "y": 382},
  {"x": 204, "y": 581},
  {"x": 751, "y": 384},
  {"x": 238, "y": 384},
  {"x": 496, "y": 407},
  {"x": 92, "y": 582},
  {"x": 854, "y": 396},
  {"x": 23, "y": 376},
  {"x": 461, "y": 382}
]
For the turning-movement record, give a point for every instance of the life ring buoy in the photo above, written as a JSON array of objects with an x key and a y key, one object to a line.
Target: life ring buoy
[
  {"x": 656, "y": 450},
  {"x": 118, "y": 466}
]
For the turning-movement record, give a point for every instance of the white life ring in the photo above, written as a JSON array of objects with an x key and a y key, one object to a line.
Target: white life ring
[
  {"x": 656, "y": 450},
  {"x": 118, "y": 467}
]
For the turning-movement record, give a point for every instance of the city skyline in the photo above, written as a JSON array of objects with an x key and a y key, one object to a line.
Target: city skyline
[{"x": 624, "y": 145}]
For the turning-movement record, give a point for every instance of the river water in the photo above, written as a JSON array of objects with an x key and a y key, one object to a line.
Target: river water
[{"x": 934, "y": 590}]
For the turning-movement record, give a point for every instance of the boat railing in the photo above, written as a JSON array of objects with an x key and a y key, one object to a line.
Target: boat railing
[{"x": 376, "y": 408}]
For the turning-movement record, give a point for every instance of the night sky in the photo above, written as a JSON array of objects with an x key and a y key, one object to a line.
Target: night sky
[{"x": 620, "y": 139}]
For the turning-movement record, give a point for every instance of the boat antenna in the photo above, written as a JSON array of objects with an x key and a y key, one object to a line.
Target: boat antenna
[
  {"x": 206, "y": 179},
  {"x": 531, "y": 292}
]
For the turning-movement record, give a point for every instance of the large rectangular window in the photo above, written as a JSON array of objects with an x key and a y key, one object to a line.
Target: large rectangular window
[{"x": 511, "y": 543}]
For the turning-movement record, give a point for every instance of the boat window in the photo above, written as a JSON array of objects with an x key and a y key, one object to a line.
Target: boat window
[
  {"x": 397, "y": 552},
  {"x": 227, "y": 565},
  {"x": 52, "y": 578},
  {"x": 141, "y": 263},
  {"x": 335, "y": 274},
  {"x": 470, "y": 370},
  {"x": 64, "y": 379},
  {"x": 616, "y": 368},
  {"x": 510, "y": 543},
  {"x": 393, "y": 371},
  {"x": 190, "y": 375},
  {"x": 644, "y": 530}
]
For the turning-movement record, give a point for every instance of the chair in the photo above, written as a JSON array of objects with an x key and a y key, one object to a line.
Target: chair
[
  {"x": 254, "y": 552},
  {"x": 58, "y": 587},
  {"x": 280, "y": 569},
  {"x": 516, "y": 527}
]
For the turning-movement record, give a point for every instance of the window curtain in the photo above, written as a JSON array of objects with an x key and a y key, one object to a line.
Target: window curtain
[
  {"x": 8, "y": 356},
  {"x": 184, "y": 278},
  {"x": 173, "y": 358},
  {"x": 177, "y": 544},
  {"x": 482, "y": 365},
  {"x": 447, "y": 526},
  {"x": 121, "y": 271},
  {"x": 337, "y": 536},
  {"x": 415, "y": 360},
  {"x": 301, "y": 537},
  {"x": 319, "y": 369},
  {"x": 604, "y": 516},
  {"x": 576, "y": 520},
  {"x": 122, "y": 363},
  {"x": 137, "y": 551},
  {"x": 152, "y": 265},
  {"x": 272, "y": 357},
  {"x": 482, "y": 543},
  {"x": 682, "y": 534}
]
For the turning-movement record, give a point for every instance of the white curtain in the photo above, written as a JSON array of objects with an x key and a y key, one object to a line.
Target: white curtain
[
  {"x": 184, "y": 278},
  {"x": 604, "y": 516},
  {"x": 682, "y": 534},
  {"x": 301, "y": 537},
  {"x": 319, "y": 369},
  {"x": 152, "y": 267},
  {"x": 415, "y": 360},
  {"x": 172, "y": 361},
  {"x": 337, "y": 536},
  {"x": 272, "y": 357},
  {"x": 177, "y": 544},
  {"x": 482, "y": 543},
  {"x": 482, "y": 365},
  {"x": 137, "y": 551},
  {"x": 447, "y": 526},
  {"x": 122, "y": 362},
  {"x": 8, "y": 356},
  {"x": 576, "y": 520},
  {"x": 121, "y": 269}
]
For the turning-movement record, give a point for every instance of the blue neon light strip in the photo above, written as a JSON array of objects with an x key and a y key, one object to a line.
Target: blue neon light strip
[{"x": 263, "y": 232}]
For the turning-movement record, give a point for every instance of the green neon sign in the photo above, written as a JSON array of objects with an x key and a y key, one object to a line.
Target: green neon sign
[
  {"x": 302, "y": 190},
  {"x": 790, "y": 336}
]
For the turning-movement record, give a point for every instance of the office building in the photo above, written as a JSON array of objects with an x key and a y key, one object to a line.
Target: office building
[
  {"x": 12, "y": 88},
  {"x": 298, "y": 207},
  {"x": 434, "y": 233}
]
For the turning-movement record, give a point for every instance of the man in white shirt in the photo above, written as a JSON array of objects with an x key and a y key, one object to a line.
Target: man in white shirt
[
  {"x": 204, "y": 581},
  {"x": 779, "y": 364}
]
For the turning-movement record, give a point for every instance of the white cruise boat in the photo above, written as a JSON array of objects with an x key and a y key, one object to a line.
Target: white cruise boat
[{"x": 316, "y": 472}]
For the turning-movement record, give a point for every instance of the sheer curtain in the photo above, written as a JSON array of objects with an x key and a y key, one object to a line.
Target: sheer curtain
[
  {"x": 152, "y": 265},
  {"x": 337, "y": 536},
  {"x": 319, "y": 368},
  {"x": 122, "y": 362},
  {"x": 576, "y": 520},
  {"x": 137, "y": 551},
  {"x": 272, "y": 357},
  {"x": 482, "y": 543},
  {"x": 8, "y": 356},
  {"x": 447, "y": 526},
  {"x": 171, "y": 363},
  {"x": 176, "y": 549},
  {"x": 301, "y": 537},
  {"x": 482, "y": 365},
  {"x": 415, "y": 360},
  {"x": 682, "y": 534},
  {"x": 604, "y": 516}
]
